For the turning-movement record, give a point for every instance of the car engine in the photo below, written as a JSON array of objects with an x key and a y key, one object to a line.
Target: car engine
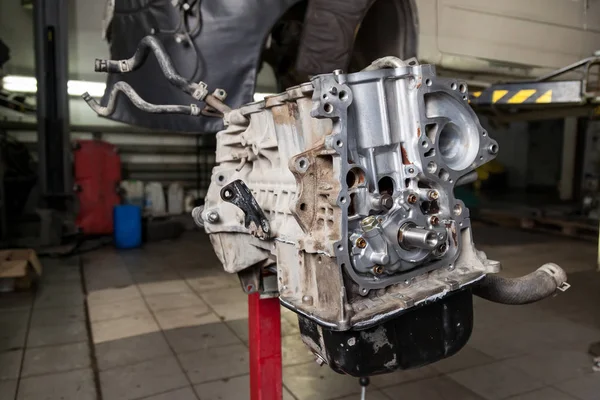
[{"x": 337, "y": 195}]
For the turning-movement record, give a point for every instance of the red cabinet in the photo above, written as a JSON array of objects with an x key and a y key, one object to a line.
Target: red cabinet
[{"x": 97, "y": 175}]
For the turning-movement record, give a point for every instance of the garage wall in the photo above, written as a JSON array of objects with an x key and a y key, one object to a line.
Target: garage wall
[{"x": 513, "y": 141}]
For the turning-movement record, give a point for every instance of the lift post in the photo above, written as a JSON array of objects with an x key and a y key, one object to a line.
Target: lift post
[{"x": 264, "y": 338}]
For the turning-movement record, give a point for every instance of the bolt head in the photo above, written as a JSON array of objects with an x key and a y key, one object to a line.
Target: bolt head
[
  {"x": 412, "y": 198},
  {"x": 369, "y": 223},
  {"x": 319, "y": 360},
  {"x": 361, "y": 243},
  {"x": 378, "y": 270},
  {"x": 386, "y": 201},
  {"x": 434, "y": 220},
  {"x": 433, "y": 195},
  {"x": 333, "y": 90},
  {"x": 212, "y": 216}
]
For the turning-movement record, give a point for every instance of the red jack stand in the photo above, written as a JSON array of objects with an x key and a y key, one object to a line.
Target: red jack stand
[{"x": 264, "y": 338}]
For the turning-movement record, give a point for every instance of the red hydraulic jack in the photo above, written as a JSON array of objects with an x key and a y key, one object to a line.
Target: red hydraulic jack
[
  {"x": 264, "y": 337},
  {"x": 264, "y": 331}
]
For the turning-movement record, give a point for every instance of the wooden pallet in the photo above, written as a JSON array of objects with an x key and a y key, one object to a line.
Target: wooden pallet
[{"x": 572, "y": 227}]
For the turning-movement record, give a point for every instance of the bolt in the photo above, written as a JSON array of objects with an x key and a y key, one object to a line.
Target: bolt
[
  {"x": 434, "y": 220},
  {"x": 457, "y": 209},
  {"x": 197, "y": 215},
  {"x": 369, "y": 223},
  {"x": 338, "y": 71},
  {"x": 306, "y": 299},
  {"x": 333, "y": 90},
  {"x": 442, "y": 248},
  {"x": 378, "y": 270},
  {"x": 411, "y": 170},
  {"x": 361, "y": 243},
  {"x": 212, "y": 217},
  {"x": 319, "y": 360},
  {"x": 386, "y": 201},
  {"x": 412, "y": 198},
  {"x": 433, "y": 195}
]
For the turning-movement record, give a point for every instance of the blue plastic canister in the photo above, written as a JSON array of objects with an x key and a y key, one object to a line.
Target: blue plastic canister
[{"x": 127, "y": 226}]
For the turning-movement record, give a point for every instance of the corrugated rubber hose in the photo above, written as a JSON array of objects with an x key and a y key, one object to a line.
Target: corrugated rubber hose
[{"x": 530, "y": 288}]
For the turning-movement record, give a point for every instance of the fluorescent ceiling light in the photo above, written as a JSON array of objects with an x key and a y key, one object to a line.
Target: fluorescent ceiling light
[
  {"x": 77, "y": 88},
  {"x": 21, "y": 84},
  {"x": 28, "y": 84}
]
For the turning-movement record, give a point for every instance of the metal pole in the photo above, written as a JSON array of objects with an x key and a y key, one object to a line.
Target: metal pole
[
  {"x": 264, "y": 331},
  {"x": 51, "y": 70}
]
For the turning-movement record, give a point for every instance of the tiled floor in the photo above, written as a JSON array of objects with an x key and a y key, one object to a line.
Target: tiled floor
[{"x": 165, "y": 323}]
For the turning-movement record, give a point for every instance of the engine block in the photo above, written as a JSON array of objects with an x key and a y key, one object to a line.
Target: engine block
[{"x": 355, "y": 174}]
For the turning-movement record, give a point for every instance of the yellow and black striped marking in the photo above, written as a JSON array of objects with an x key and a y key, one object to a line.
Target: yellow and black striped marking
[{"x": 565, "y": 92}]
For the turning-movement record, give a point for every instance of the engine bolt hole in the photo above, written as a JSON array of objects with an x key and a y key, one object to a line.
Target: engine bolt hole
[
  {"x": 428, "y": 82},
  {"x": 457, "y": 210},
  {"x": 361, "y": 243},
  {"x": 378, "y": 270},
  {"x": 328, "y": 108},
  {"x": 339, "y": 143},
  {"x": 453, "y": 86},
  {"x": 442, "y": 248},
  {"x": 493, "y": 149},
  {"x": 431, "y": 167},
  {"x": 463, "y": 88},
  {"x": 412, "y": 198},
  {"x": 343, "y": 95}
]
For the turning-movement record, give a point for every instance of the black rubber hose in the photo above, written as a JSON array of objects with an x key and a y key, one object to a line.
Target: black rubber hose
[
  {"x": 140, "y": 103},
  {"x": 147, "y": 44},
  {"x": 530, "y": 288}
]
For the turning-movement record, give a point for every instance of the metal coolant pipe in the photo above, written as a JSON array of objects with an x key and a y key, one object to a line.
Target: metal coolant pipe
[{"x": 530, "y": 288}]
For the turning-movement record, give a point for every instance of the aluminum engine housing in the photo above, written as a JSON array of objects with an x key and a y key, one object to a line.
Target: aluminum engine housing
[{"x": 355, "y": 174}]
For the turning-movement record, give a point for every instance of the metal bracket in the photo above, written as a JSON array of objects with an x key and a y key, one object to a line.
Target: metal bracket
[{"x": 238, "y": 194}]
